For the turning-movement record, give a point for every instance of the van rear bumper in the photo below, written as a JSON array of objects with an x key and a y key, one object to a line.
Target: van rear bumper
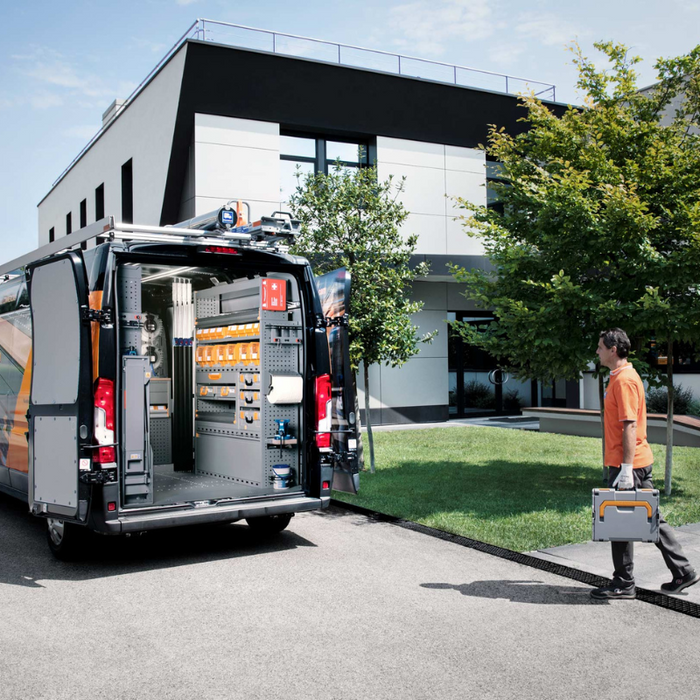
[{"x": 169, "y": 516}]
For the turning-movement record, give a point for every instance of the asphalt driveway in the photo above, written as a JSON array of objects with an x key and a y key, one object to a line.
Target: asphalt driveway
[{"x": 337, "y": 606}]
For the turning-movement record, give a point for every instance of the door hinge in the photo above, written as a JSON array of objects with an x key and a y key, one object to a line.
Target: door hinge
[
  {"x": 101, "y": 476},
  {"x": 343, "y": 321},
  {"x": 101, "y": 316}
]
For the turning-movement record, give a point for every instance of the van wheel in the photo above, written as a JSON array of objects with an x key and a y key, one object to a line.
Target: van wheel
[
  {"x": 269, "y": 524},
  {"x": 67, "y": 541}
]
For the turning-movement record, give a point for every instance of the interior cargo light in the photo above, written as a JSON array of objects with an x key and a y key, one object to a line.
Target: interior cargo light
[
  {"x": 104, "y": 421},
  {"x": 221, "y": 249},
  {"x": 323, "y": 410}
]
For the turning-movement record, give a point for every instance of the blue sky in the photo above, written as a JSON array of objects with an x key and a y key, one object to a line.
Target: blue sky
[{"x": 63, "y": 62}]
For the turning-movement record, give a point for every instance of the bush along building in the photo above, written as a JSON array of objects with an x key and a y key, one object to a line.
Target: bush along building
[{"x": 216, "y": 122}]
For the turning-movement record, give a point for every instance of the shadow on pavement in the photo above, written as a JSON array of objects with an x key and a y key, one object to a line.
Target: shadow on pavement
[
  {"x": 25, "y": 559},
  {"x": 534, "y": 592}
]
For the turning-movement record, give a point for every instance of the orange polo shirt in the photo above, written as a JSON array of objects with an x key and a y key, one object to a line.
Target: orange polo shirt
[{"x": 624, "y": 400}]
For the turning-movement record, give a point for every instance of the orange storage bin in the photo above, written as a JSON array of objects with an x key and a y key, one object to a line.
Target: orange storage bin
[
  {"x": 220, "y": 354},
  {"x": 244, "y": 353},
  {"x": 209, "y": 356},
  {"x": 254, "y": 353},
  {"x": 231, "y": 353},
  {"x": 199, "y": 355}
]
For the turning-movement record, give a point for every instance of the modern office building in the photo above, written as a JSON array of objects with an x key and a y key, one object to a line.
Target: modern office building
[{"x": 216, "y": 122}]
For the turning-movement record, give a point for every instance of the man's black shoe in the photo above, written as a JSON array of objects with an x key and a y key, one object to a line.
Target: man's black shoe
[
  {"x": 678, "y": 584},
  {"x": 614, "y": 592}
]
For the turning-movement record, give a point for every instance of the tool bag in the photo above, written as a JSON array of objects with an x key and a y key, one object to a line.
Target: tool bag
[{"x": 625, "y": 516}]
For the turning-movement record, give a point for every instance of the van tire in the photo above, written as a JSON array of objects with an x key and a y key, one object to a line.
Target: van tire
[
  {"x": 269, "y": 524},
  {"x": 67, "y": 541}
]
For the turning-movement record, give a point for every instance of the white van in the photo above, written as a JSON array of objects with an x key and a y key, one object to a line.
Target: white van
[{"x": 152, "y": 377}]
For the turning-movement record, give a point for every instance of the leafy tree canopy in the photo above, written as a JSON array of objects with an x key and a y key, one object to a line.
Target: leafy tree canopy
[{"x": 599, "y": 220}]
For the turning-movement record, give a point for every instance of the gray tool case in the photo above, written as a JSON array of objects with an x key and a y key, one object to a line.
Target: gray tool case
[{"x": 625, "y": 516}]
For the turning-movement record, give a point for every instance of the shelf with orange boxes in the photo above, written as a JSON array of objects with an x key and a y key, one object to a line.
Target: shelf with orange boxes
[
  {"x": 243, "y": 354},
  {"x": 228, "y": 334}
]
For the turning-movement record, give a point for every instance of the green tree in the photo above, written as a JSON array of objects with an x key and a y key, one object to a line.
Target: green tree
[
  {"x": 349, "y": 218},
  {"x": 597, "y": 225}
]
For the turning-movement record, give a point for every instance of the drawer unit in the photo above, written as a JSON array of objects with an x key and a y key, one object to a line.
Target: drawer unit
[
  {"x": 248, "y": 398},
  {"x": 217, "y": 392},
  {"x": 249, "y": 380},
  {"x": 625, "y": 516},
  {"x": 249, "y": 420}
]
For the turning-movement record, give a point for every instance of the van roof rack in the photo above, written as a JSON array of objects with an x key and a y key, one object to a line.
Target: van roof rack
[{"x": 273, "y": 233}]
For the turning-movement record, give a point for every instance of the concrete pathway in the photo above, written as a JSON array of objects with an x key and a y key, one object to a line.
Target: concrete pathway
[
  {"x": 515, "y": 422},
  {"x": 650, "y": 570}
]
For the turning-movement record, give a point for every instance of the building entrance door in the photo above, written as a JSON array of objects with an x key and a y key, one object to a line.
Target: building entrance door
[{"x": 478, "y": 386}]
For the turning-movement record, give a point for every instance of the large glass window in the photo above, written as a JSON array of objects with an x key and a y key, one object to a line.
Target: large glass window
[
  {"x": 302, "y": 155},
  {"x": 477, "y": 385}
]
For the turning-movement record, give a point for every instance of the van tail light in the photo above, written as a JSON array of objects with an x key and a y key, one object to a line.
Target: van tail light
[
  {"x": 323, "y": 411},
  {"x": 104, "y": 421}
]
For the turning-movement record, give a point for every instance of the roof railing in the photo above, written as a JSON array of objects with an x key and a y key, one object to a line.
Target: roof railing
[{"x": 280, "y": 43}]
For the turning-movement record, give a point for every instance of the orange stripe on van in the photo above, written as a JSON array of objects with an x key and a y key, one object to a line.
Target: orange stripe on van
[
  {"x": 95, "y": 301},
  {"x": 18, "y": 449}
]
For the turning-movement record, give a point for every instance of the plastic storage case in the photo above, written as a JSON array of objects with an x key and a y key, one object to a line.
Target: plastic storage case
[{"x": 625, "y": 516}]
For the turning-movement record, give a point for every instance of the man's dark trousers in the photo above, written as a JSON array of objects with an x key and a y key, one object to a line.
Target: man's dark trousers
[{"x": 623, "y": 552}]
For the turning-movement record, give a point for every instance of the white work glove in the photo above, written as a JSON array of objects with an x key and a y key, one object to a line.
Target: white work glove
[{"x": 625, "y": 479}]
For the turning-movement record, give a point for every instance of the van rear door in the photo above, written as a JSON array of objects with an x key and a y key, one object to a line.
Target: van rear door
[
  {"x": 334, "y": 292},
  {"x": 60, "y": 406}
]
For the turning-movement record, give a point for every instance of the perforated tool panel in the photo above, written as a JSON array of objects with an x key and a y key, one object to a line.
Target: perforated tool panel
[
  {"x": 161, "y": 439},
  {"x": 239, "y": 451}
]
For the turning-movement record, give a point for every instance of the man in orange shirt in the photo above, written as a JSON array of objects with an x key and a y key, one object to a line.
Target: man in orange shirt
[{"x": 629, "y": 459}]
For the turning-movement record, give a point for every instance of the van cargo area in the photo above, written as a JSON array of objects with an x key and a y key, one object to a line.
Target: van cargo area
[{"x": 213, "y": 358}]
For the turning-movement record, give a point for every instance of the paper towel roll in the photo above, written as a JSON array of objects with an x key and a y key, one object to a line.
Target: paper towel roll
[{"x": 285, "y": 388}]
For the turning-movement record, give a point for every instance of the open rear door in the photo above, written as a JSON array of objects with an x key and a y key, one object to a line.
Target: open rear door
[
  {"x": 334, "y": 292},
  {"x": 60, "y": 409}
]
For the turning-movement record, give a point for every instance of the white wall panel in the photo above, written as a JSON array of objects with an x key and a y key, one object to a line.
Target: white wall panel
[
  {"x": 228, "y": 131},
  {"x": 424, "y": 188},
  {"x": 142, "y": 132},
  {"x": 417, "y": 153},
  {"x": 235, "y": 172},
  {"x": 428, "y": 321},
  {"x": 458, "y": 242},
  {"x": 431, "y": 232},
  {"x": 469, "y": 186},
  {"x": 465, "y": 159},
  {"x": 420, "y": 382}
]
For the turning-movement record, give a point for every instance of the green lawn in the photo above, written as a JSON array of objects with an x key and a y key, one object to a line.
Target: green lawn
[{"x": 512, "y": 488}]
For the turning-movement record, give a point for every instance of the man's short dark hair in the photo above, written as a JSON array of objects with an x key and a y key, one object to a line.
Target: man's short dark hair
[{"x": 616, "y": 337}]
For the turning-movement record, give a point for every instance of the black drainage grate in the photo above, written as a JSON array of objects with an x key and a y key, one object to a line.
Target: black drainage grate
[{"x": 654, "y": 597}]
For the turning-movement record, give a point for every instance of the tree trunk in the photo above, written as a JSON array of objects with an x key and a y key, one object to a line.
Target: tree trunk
[
  {"x": 669, "y": 421},
  {"x": 368, "y": 420},
  {"x": 601, "y": 401}
]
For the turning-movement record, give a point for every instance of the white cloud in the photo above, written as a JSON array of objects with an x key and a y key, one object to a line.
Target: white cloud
[
  {"x": 548, "y": 29},
  {"x": 425, "y": 26},
  {"x": 67, "y": 80}
]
